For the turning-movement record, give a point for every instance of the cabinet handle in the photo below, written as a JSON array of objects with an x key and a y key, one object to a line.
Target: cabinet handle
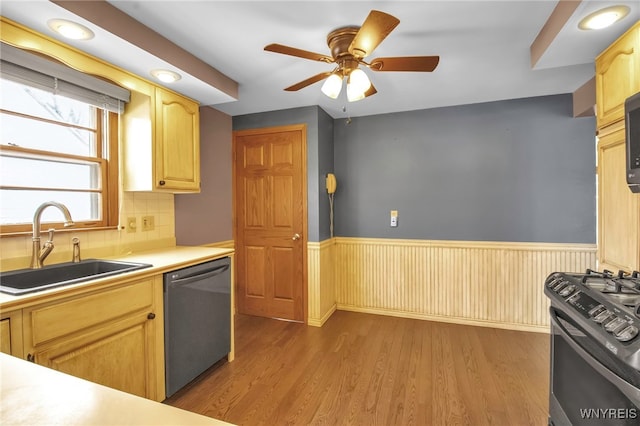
[
  {"x": 151, "y": 315},
  {"x": 31, "y": 358},
  {"x": 162, "y": 183}
]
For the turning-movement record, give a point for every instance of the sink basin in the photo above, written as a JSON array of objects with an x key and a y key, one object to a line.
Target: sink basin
[{"x": 23, "y": 281}]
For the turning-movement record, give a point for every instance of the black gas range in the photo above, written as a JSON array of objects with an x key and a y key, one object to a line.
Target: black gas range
[{"x": 595, "y": 348}]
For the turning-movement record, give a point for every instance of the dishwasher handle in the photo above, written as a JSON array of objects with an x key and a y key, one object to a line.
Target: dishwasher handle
[{"x": 200, "y": 276}]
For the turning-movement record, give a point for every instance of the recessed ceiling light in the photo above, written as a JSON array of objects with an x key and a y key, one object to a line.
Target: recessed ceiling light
[
  {"x": 603, "y": 18},
  {"x": 70, "y": 29},
  {"x": 166, "y": 76}
]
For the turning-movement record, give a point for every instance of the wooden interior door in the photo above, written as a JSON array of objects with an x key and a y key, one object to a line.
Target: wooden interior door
[{"x": 271, "y": 221}]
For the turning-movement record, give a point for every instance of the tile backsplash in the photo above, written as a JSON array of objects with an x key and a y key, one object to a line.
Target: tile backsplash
[{"x": 15, "y": 252}]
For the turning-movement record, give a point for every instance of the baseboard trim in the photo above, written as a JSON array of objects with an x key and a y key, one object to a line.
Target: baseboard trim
[
  {"x": 319, "y": 323},
  {"x": 447, "y": 319}
]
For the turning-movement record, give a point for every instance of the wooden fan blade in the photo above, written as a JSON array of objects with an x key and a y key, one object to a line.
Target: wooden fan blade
[
  {"x": 308, "y": 81},
  {"x": 375, "y": 28},
  {"x": 405, "y": 63},
  {"x": 292, "y": 51},
  {"x": 372, "y": 91}
]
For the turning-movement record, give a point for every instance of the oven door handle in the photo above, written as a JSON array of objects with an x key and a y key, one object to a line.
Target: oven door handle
[{"x": 626, "y": 388}]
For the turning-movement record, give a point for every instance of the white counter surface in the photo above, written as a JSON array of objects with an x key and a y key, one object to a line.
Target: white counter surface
[
  {"x": 163, "y": 260},
  {"x": 34, "y": 395}
]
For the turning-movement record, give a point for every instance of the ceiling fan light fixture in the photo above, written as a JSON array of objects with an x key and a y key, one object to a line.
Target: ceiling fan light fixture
[
  {"x": 603, "y": 18},
  {"x": 359, "y": 80},
  {"x": 357, "y": 85},
  {"x": 353, "y": 94},
  {"x": 332, "y": 86}
]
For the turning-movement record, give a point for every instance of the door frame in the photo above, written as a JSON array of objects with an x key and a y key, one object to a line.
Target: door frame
[{"x": 302, "y": 127}]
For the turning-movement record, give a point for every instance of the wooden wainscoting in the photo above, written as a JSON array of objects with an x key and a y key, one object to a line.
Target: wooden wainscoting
[
  {"x": 321, "y": 283},
  {"x": 491, "y": 284}
]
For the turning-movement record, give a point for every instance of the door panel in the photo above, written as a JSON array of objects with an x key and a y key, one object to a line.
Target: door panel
[
  {"x": 255, "y": 271},
  {"x": 255, "y": 202},
  {"x": 283, "y": 277},
  {"x": 253, "y": 156},
  {"x": 282, "y": 203},
  {"x": 270, "y": 223}
]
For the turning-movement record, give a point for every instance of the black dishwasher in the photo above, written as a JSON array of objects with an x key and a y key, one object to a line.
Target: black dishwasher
[{"x": 197, "y": 320}]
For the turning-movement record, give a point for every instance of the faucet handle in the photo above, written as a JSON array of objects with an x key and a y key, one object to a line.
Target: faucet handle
[
  {"x": 76, "y": 250},
  {"x": 51, "y": 232}
]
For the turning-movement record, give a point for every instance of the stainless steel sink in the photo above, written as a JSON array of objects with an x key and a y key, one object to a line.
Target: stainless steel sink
[{"x": 23, "y": 281}]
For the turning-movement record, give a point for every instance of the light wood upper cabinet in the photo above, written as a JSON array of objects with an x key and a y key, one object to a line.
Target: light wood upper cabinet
[
  {"x": 113, "y": 337},
  {"x": 617, "y": 76},
  {"x": 177, "y": 142},
  {"x": 618, "y": 207},
  {"x": 161, "y": 143}
]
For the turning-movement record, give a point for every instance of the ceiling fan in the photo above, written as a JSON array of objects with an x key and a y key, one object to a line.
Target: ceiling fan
[{"x": 349, "y": 46}]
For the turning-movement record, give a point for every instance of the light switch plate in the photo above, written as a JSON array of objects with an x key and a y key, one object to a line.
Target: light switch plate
[
  {"x": 394, "y": 218},
  {"x": 148, "y": 223}
]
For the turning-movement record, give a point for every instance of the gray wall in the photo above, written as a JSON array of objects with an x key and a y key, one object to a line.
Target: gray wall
[
  {"x": 325, "y": 165},
  {"x": 207, "y": 217},
  {"x": 317, "y": 158},
  {"x": 517, "y": 170}
]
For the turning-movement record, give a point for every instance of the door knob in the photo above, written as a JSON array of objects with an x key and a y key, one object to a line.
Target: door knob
[{"x": 295, "y": 237}]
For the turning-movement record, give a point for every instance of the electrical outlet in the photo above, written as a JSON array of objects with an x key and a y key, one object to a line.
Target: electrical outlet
[
  {"x": 148, "y": 223},
  {"x": 131, "y": 224}
]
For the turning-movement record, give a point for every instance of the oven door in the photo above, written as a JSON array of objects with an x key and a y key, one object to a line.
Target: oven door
[{"x": 589, "y": 385}]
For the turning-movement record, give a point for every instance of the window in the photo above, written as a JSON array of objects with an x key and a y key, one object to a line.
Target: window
[
  {"x": 54, "y": 148},
  {"x": 58, "y": 142}
]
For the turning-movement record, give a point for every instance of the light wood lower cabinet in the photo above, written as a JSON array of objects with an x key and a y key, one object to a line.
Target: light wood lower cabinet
[
  {"x": 5, "y": 336},
  {"x": 619, "y": 208},
  {"x": 115, "y": 355},
  {"x": 113, "y": 337},
  {"x": 11, "y": 333}
]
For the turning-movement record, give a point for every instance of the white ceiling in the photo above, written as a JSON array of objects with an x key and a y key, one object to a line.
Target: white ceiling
[{"x": 483, "y": 48}]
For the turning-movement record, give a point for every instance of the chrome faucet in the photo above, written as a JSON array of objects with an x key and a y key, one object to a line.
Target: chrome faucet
[{"x": 39, "y": 255}]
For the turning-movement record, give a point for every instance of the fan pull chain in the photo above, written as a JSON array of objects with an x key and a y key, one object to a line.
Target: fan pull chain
[{"x": 348, "y": 120}]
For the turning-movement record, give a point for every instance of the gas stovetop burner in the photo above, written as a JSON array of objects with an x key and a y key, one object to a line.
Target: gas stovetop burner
[{"x": 622, "y": 287}]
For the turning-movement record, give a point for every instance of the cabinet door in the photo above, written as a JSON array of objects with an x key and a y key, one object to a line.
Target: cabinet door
[
  {"x": 5, "y": 336},
  {"x": 113, "y": 337},
  {"x": 177, "y": 143},
  {"x": 11, "y": 333},
  {"x": 618, "y": 207},
  {"x": 119, "y": 355},
  {"x": 617, "y": 76}
]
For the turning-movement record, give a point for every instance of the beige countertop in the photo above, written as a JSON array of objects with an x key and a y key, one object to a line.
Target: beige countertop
[
  {"x": 163, "y": 260},
  {"x": 34, "y": 395}
]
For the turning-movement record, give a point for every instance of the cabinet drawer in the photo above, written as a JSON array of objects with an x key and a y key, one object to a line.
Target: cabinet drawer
[{"x": 58, "y": 320}]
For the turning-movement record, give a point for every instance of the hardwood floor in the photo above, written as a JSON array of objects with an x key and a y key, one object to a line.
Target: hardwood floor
[{"x": 361, "y": 369}]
